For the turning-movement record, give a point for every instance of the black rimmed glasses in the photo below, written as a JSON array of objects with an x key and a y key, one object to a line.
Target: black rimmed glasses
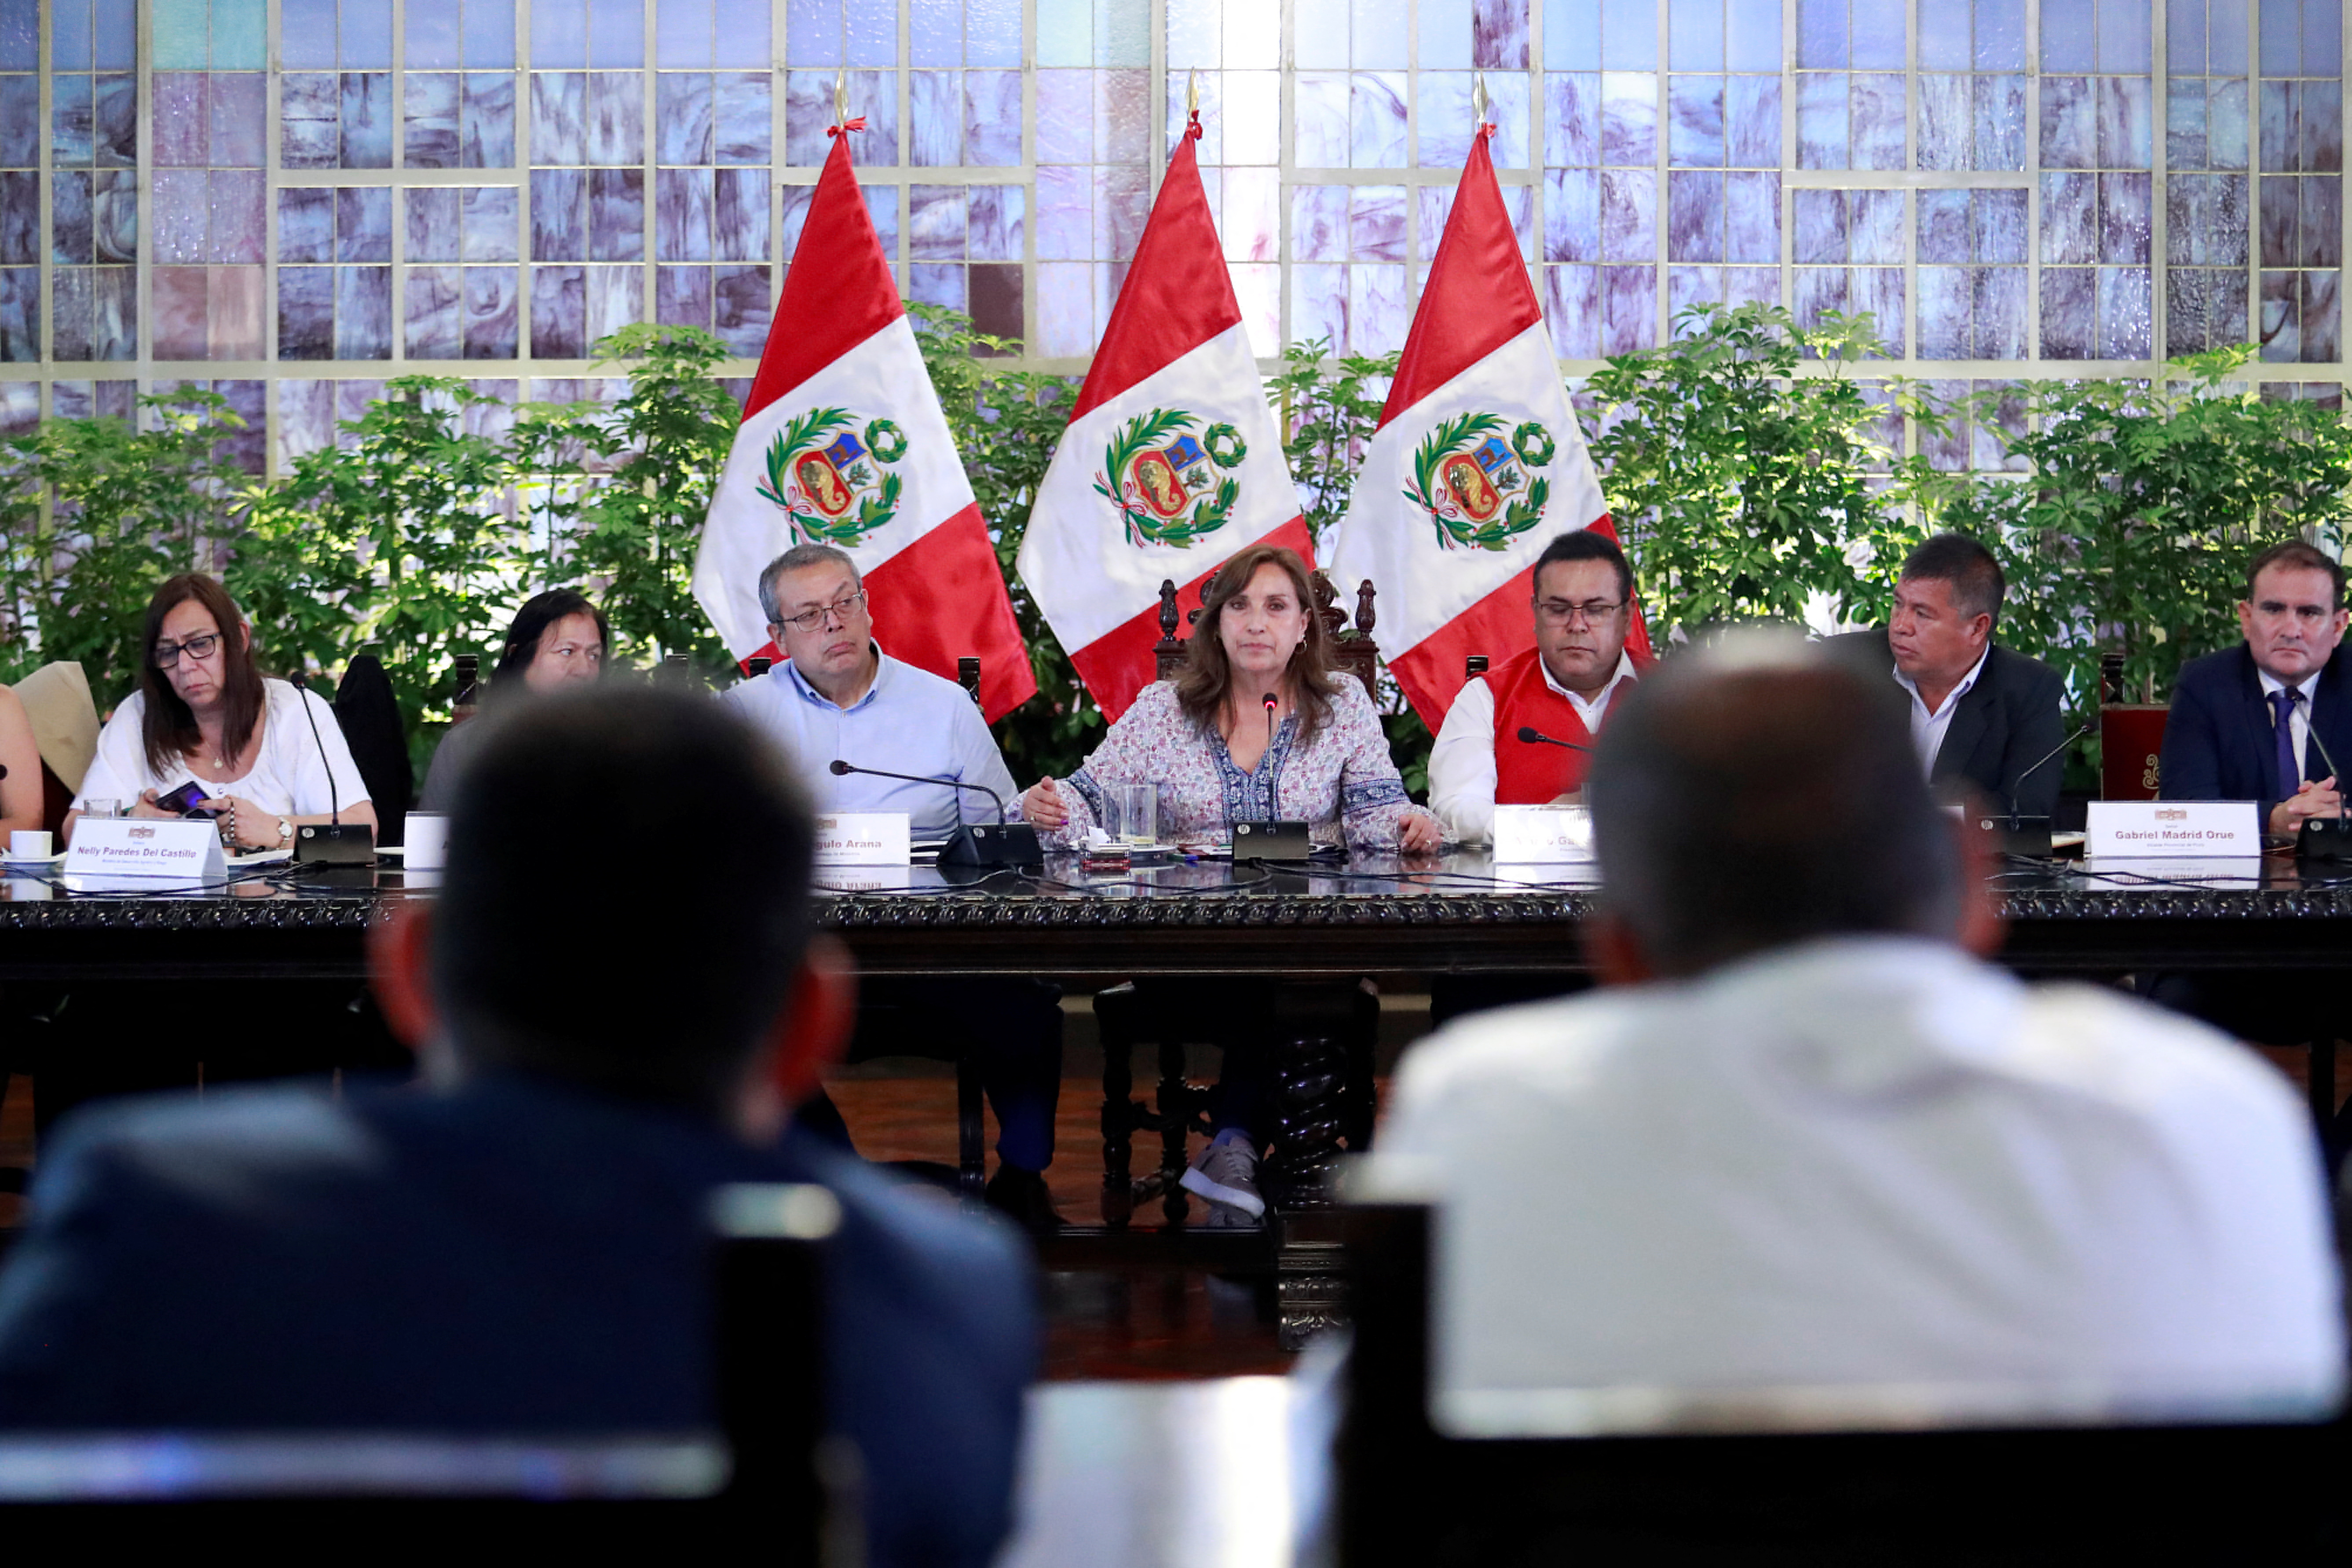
[{"x": 167, "y": 654}]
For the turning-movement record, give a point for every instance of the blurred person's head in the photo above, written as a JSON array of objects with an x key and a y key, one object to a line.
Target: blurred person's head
[
  {"x": 195, "y": 665},
  {"x": 2293, "y": 615},
  {"x": 535, "y": 959},
  {"x": 1584, "y": 607},
  {"x": 557, "y": 638},
  {"x": 1755, "y": 795},
  {"x": 1946, "y": 604},
  {"x": 815, "y": 605}
]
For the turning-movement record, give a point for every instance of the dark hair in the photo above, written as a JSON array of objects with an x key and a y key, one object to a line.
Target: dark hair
[
  {"x": 1974, "y": 576},
  {"x": 1830, "y": 828},
  {"x": 528, "y": 970},
  {"x": 1206, "y": 679},
  {"x": 168, "y": 727},
  {"x": 531, "y": 623},
  {"x": 2297, "y": 556},
  {"x": 1584, "y": 545}
]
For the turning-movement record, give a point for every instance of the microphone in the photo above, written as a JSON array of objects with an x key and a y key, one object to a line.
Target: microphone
[
  {"x": 332, "y": 843},
  {"x": 1532, "y": 736},
  {"x": 1271, "y": 704},
  {"x": 301, "y": 685},
  {"x": 2090, "y": 726},
  {"x": 1006, "y": 843}
]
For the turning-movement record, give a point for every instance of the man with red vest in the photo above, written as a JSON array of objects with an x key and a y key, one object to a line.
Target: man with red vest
[{"x": 1561, "y": 688}]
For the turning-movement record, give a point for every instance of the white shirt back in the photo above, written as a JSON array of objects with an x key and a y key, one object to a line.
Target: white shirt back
[{"x": 1866, "y": 1162}]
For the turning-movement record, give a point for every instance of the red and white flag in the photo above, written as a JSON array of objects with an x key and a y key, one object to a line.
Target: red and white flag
[
  {"x": 843, "y": 443},
  {"x": 1172, "y": 461},
  {"x": 1477, "y": 463}
]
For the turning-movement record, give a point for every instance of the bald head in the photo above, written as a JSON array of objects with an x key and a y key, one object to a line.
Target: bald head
[{"x": 1755, "y": 795}]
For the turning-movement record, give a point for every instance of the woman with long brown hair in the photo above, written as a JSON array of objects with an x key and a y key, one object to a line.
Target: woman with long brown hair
[
  {"x": 205, "y": 714},
  {"x": 1254, "y": 728}
]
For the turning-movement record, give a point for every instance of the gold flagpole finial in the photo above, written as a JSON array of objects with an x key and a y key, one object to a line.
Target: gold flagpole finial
[
  {"x": 1192, "y": 93},
  {"x": 1478, "y": 99},
  {"x": 841, "y": 96}
]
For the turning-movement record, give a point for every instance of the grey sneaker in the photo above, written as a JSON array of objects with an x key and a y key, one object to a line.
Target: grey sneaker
[{"x": 1226, "y": 1174}]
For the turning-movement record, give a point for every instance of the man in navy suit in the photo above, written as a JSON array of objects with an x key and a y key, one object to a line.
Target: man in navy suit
[
  {"x": 2242, "y": 720},
  {"x": 1981, "y": 713},
  {"x": 518, "y": 1245},
  {"x": 2258, "y": 722}
]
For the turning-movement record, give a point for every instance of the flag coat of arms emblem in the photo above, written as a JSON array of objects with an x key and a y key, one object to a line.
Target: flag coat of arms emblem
[
  {"x": 1477, "y": 465},
  {"x": 844, "y": 443},
  {"x": 1172, "y": 461}
]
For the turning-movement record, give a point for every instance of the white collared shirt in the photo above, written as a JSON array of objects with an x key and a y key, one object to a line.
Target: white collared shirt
[
  {"x": 1462, "y": 764},
  {"x": 1866, "y": 1161},
  {"x": 1928, "y": 729},
  {"x": 2299, "y": 728}
]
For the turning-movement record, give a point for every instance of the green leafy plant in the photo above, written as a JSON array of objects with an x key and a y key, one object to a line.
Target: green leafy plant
[
  {"x": 1329, "y": 407},
  {"x": 100, "y": 511},
  {"x": 1740, "y": 479},
  {"x": 664, "y": 443},
  {"x": 397, "y": 538},
  {"x": 2130, "y": 532}
]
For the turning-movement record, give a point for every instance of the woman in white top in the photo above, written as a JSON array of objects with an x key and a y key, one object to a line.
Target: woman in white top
[{"x": 204, "y": 712}]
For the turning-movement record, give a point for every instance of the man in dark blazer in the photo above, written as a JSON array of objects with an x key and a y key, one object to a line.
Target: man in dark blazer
[
  {"x": 1979, "y": 712},
  {"x": 2224, "y": 739},
  {"x": 520, "y": 1244}
]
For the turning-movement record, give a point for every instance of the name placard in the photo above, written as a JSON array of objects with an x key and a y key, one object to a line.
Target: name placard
[
  {"x": 862, "y": 838},
  {"x": 184, "y": 849},
  {"x": 1542, "y": 835},
  {"x": 2144, "y": 828}
]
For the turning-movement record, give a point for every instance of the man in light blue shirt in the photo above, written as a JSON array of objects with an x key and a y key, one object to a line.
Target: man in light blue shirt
[{"x": 838, "y": 695}]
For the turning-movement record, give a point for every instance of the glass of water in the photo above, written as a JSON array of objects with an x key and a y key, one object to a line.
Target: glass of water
[
  {"x": 1134, "y": 813},
  {"x": 99, "y": 806}
]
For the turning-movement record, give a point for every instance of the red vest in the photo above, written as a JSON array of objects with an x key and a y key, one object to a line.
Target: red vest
[{"x": 1530, "y": 772}]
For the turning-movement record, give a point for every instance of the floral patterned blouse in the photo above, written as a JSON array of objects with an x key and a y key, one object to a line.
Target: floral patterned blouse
[{"x": 1343, "y": 774}]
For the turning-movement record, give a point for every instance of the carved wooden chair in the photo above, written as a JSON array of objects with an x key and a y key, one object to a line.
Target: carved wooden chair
[
  {"x": 1321, "y": 1037},
  {"x": 1352, "y": 648}
]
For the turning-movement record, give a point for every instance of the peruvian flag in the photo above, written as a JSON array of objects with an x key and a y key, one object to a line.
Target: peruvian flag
[
  {"x": 1476, "y": 466},
  {"x": 1172, "y": 461},
  {"x": 843, "y": 443}
]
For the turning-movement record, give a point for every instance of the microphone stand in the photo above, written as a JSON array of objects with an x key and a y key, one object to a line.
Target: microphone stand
[
  {"x": 332, "y": 842},
  {"x": 2326, "y": 838},
  {"x": 1004, "y": 844}
]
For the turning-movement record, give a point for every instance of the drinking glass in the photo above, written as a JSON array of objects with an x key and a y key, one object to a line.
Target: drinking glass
[
  {"x": 1134, "y": 812},
  {"x": 100, "y": 806}
]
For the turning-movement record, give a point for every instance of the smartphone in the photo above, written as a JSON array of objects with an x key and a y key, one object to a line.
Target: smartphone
[{"x": 183, "y": 799}]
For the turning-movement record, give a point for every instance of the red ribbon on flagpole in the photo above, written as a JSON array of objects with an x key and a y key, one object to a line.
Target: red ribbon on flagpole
[
  {"x": 833, "y": 130},
  {"x": 1192, "y": 130}
]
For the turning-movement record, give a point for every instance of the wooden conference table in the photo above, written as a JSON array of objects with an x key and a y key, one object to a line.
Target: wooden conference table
[{"x": 1371, "y": 916}]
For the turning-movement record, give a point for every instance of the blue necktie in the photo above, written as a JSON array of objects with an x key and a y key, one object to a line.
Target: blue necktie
[{"x": 2290, "y": 772}]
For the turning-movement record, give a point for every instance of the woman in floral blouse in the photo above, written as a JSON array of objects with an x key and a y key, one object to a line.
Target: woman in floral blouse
[
  {"x": 1218, "y": 754},
  {"x": 1254, "y": 728}
]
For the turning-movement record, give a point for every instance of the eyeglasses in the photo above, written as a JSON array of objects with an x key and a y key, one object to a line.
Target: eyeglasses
[
  {"x": 1561, "y": 613},
  {"x": 840, "y": 610},
  {"x": 167, "y": 654}
]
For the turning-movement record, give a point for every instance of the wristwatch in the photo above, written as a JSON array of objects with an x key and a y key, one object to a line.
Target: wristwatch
[{"x": 285, "y": 833}]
